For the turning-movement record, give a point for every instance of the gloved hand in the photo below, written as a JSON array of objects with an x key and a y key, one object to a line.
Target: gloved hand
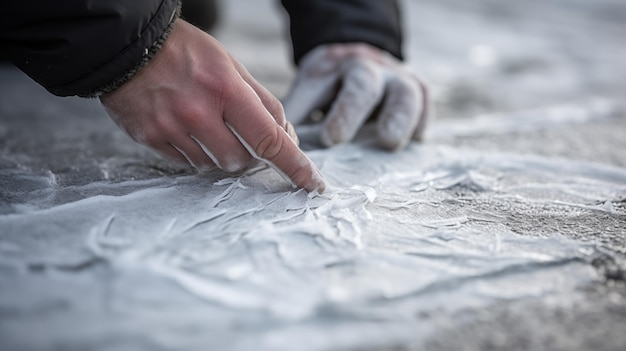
[
  {"x": 366, "y": 77},
  {"x": 196, "y": 104}
]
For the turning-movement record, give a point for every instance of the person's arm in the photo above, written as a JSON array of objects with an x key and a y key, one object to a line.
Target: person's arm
[
  {"x": 84, "y": 48},
  {"x": 169, "y": 85},
  {"x": 195, "y": 103},
  {"x": 355, "y": 45}
]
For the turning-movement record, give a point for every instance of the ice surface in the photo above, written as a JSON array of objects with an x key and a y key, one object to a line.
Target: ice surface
[
  {"x": 385, "y": 247},
  {"x": 103, "y": 246}
]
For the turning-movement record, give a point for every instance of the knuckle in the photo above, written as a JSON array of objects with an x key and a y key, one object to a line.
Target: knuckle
[
  {"x": 191, "y": 114},
  {"x": 160, "y": 126},
  {"x": 275, "y": 107},
  {"x": 360, "y": 79},
  {"x": 403, "y": 92},
  {"x": 364, "y": 83},
  {"x": 225, "y": 87},
  {"x": 270, "y": 144},
  {"x": 301, "y": 175}
]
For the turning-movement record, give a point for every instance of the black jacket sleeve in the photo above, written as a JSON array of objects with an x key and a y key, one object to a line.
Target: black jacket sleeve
[
  {"x": 316, "y": 22},
  {"x": 78, "y": 47}
]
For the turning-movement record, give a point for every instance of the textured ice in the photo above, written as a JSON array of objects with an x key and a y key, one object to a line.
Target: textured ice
[
  {"x": 384, "y": 248},
  {"x": 102, "y": 247}
]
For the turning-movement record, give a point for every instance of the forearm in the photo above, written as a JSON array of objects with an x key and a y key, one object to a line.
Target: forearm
[{"x": 84, "y": 48}]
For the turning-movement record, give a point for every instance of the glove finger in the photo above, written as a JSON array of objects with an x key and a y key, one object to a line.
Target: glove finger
[
  {"x": 309, "y": 94},
  {"x": 291, "y": 131},
  {"x": 428, "y": 111},
  {"x": 400, "y": 114},
  {"x": 362, "y": 89}
]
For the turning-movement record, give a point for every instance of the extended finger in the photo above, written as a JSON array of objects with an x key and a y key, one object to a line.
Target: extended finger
[
  {"x": 266, "y": 140},
  {"x": 400, "y": 113},
  {"x": 271, "y": 103},
  {"x": 362, "y": 90}
]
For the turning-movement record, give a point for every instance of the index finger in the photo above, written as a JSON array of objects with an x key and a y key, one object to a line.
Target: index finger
[{"x": 267, "y": 141}]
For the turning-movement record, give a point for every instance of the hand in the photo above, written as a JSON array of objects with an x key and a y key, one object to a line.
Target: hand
[
  {"x": 367, "y": 77},
  {"x": 195, "y": 104}
]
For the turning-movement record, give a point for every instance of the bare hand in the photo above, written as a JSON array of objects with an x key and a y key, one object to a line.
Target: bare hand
[
  {"x": 367, "y": 77},
  {"x": 195, "y": 104}
]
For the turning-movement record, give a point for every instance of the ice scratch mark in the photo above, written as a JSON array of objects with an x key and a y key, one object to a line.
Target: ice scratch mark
[
  {"x": 484, "y": 216},
  {"x": 407, "y": 204},
  {"x": 455, "y": 282},
  {"x": 204, "y": 221},
  {"x": 98, "y": 238},
  {"x": 52, "y": 179},
  {"x": 606, "y": 206},
  {"x": 454, "y": 222},
  {"x": 229, "y": 192}
]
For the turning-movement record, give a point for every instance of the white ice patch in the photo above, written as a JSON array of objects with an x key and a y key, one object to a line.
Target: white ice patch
[{"x": 370, "y": 248}]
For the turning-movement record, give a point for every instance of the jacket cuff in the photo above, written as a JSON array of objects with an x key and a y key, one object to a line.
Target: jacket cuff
[
  {"x": 149, "y": 53},
  {"x": 317, "y": 22}
]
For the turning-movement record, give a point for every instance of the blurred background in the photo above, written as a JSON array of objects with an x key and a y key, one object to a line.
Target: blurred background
[
  {"x": 517, "y": 66},
  {"x": 480, "y": 57}
]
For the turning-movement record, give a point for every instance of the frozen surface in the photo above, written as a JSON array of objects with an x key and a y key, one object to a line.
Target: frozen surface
[
  {"x": 364, "y": 264},
  {"x": 498, "y": 221}
]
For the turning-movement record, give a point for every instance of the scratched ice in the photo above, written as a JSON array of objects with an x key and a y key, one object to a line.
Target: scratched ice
[
  {"x": 368, "y": 259},
  {"x": 401, "y": 243}
]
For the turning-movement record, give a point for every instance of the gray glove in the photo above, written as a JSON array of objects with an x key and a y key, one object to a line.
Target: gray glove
[{"x": 367, "y": 76}]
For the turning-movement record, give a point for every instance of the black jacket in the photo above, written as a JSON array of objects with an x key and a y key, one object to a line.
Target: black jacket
[
  {"x": 89, "y": 47},
  {"x": 315, "y": 22}
]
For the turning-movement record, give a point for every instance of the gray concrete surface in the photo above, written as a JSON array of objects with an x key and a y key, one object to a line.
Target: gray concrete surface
[{"x": 528, "y": 146}]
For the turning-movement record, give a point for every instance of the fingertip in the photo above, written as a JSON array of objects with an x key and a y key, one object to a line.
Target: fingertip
[
  {"x": 326, "y": 139},
  {"x": 392, "y": 145},
  {"x": 332, "y": 135},
  {"x": 428, "y": 113},
  {"x": 392, "y": 132}
]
